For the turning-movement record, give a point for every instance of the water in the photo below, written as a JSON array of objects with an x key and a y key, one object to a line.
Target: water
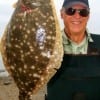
[{"x": 3, "y": 71}]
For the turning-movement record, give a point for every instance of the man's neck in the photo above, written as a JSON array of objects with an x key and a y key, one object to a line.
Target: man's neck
[{"x": 76, "y": 37}]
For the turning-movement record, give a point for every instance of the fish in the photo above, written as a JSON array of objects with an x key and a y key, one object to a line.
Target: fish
[{"x": 31, "y": 45}]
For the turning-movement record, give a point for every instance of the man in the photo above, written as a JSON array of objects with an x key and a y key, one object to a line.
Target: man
[{"x": 79, "y": 76}]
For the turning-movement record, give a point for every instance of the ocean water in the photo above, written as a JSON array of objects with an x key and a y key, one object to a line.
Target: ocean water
[{"x": 3, "y": 71}]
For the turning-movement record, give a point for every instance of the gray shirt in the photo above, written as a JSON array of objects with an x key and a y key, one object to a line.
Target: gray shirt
[{"x": 70, "y": 47}]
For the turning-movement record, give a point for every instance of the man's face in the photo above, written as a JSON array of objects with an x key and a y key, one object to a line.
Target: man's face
[{"x": 74, "y": 23}]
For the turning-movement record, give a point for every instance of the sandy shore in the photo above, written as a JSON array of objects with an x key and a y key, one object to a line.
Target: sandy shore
[{"x": 9, "y": 90}]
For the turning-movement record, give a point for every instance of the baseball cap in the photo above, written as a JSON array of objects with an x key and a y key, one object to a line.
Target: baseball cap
[{"x": 69, "y": 3}]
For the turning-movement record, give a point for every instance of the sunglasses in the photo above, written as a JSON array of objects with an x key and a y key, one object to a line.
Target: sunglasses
[{"x": 82, "y": 12}]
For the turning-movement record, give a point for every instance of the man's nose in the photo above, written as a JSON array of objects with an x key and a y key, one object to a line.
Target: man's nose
[{"x": 77, "y": 14}]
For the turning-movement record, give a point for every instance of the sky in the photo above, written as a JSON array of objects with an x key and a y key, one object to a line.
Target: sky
[{"x": 6, "y": 10}]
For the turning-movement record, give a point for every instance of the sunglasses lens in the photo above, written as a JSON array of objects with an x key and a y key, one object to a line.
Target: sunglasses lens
[
  {"x": 70, "y": 11},
  {"x": 82, "y": 12}
]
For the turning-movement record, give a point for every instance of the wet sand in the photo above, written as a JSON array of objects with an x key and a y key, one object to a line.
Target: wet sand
[{"x": 9, "y": 90}]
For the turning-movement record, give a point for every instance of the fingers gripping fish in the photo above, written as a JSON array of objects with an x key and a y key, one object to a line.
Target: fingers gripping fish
[{"x": 31, "y": 45}]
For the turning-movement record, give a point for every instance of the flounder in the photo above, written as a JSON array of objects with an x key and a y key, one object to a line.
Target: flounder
[{"x": 31, "y": 45}]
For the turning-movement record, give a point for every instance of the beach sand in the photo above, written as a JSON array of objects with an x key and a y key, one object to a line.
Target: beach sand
[{"x": 9, "y": 90}]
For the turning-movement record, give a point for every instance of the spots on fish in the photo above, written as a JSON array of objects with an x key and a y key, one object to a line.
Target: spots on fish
[
  {"x": 46, "y": 54},
  {"x": 33, "y": 47},
  {"x": 33, "y": 29},
  {"x": 12, "y": 67},
  {"x": 32, "y": 67},
  {"x": 35, "y": 75},
  {"x": 28, "y": 31},
  {"x": 41, "y": 47},
  {"x": 14, "y": 27},
  {"x": 20, "y": 69}
]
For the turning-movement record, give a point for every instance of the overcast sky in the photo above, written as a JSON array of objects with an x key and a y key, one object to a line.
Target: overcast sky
[{"x": 6, "y": 11}]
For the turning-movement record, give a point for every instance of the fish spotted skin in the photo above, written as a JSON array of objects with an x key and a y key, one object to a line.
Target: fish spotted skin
[{"x": 32, "y": 45}]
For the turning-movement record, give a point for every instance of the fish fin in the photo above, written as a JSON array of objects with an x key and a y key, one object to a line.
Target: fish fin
[{"x": 15, "y": 5}]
